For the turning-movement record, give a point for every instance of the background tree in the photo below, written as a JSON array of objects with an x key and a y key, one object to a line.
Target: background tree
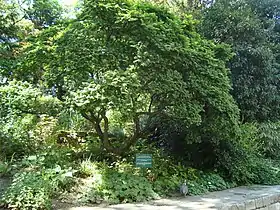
[
  {"x": 248, "y": 26},
  {"x": 44, "y": 13},
  {"x": 9, "y": 28}
]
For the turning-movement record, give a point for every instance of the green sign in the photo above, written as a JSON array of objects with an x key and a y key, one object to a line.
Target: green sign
[{"x": 144, "y": 160}]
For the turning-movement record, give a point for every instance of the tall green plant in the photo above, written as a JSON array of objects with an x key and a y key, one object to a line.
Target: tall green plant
[{"x": 249, "y": 26}]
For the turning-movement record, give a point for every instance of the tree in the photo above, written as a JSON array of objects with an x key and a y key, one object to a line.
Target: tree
[
  {"x": 135, "y": 62},
  {"x": 8, "y": 30},
  {"x": 244, "y": 25},
  {"x": 44, "y": 13},
  {"x": 126, "y": 66},
  {"x": 184, "y": 5},
  {"x": 21, "y": 20}
]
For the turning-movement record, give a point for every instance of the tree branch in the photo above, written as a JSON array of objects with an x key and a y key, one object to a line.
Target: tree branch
[
  {"x": 151, "y": 103},
  {"x": 106, "y": 130}
]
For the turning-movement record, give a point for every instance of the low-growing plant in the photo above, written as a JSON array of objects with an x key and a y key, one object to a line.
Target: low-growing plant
[
  {"x": 125, "y": 187},
  {"x": 34, "y": 189},
  {"x": 264, "y": 171},
  {"x": 114, "y": 186},
  {"x": 4, "y": 169},
  {"x": 28, "y": 191},
  {"x": 87, "y": 168}
]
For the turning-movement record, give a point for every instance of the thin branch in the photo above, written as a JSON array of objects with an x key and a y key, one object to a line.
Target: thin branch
[{"x": 86, "y": 116}]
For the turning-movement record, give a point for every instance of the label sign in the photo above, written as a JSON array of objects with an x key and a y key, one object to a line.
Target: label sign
[{"x": 144, "y": 160}]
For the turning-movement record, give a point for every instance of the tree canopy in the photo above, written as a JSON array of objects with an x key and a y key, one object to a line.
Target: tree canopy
[
  {"x": 249, "y": 27},
  {"x": 136, "y": 61}
]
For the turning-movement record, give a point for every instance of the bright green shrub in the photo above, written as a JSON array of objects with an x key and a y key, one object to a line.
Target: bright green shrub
[
  {"x": 116, "y": 185},
  {"x": 269, "y": 139},
  {"x": 14, "y": 135},
  {"x": 49, "y": 158},
  {"x": 25, "y": 122},
  {"x": 166, "y": 185},
  {"x": 28, "y": 191},
  {"x": 199, "y": 182},
  {"x": 87, "y": 168},
  {"x": 124, "y": 187},
  {"x": 264, "y": 171},
  {"x": 4, "y": 168},
  {"x": 257, "y": 142},
  {"x": 34, "y": 189}
]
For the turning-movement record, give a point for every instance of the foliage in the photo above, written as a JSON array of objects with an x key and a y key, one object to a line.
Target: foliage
[
  {"x": 269, "y": 139},
  {"x": 81, "y": 97},
  {"x": 144, "y": 77},
  {"x": 28, "y": 190},
  {"x": 44, "y": 13},
  {"x": 254, "y": 67},
  {"x": 8, "y": 31},
  {"x": 15, "y": 136},
  {"x": 119, "y": 184},
  {"x": 264, "y": 171},
  {"x": 121, "y": 187},
  {"x": 19, "y": 19},
  {"x": 123, "y": 183},
  {"x": 22, "y": 98},
  {"x": 24, "y": 118},
  {"x": 34, "y": 189},
  {"x": 183, "y": 7},
  {"x": 4, "y": 169}
]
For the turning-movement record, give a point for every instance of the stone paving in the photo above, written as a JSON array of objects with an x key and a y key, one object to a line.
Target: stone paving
[{"x": 241, "y": 198}]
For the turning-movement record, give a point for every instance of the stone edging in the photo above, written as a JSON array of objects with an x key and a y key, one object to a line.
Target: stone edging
[{"x": 269, "y": 202}]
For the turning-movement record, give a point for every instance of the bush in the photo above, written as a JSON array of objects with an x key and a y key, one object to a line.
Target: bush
[
  {"x": 264, "y": 171},
  {"x": 122, "y": 182},
  {"x": 257, "y": 142},
  {"x": 49, "y": 158},
  {"x": 87, "y": 168},
  {"x": 125, "y": 187},
  {"x": 28, "y": 191},
  {"x": 116, "y": 185},
  {"x": 34, "y": 189},
  {"x": 269, "y": 139},
  {"x": 4, "y": 169},
  {"x": 14, "y": 135}
]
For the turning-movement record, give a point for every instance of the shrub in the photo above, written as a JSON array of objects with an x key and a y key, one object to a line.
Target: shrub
[
  {"x": 87, "y": 168},
  {"x": 257, "y": 142},
  {"x": 269, "y": 139},
  {"x": 117, "y": 185},
  {"x": 198, "y": 182},
  {"x": 122, "y": 182},
  {"x": 34, "y": 189},
  {"x": 264, "y": 171},
  {"x": 28, "y": 191},
  {"x": 4, "y": 168},
  {"x": 124, "y": 187}
]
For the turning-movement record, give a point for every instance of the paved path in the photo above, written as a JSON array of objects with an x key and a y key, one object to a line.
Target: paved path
[{"x": 241, "y": 198}]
